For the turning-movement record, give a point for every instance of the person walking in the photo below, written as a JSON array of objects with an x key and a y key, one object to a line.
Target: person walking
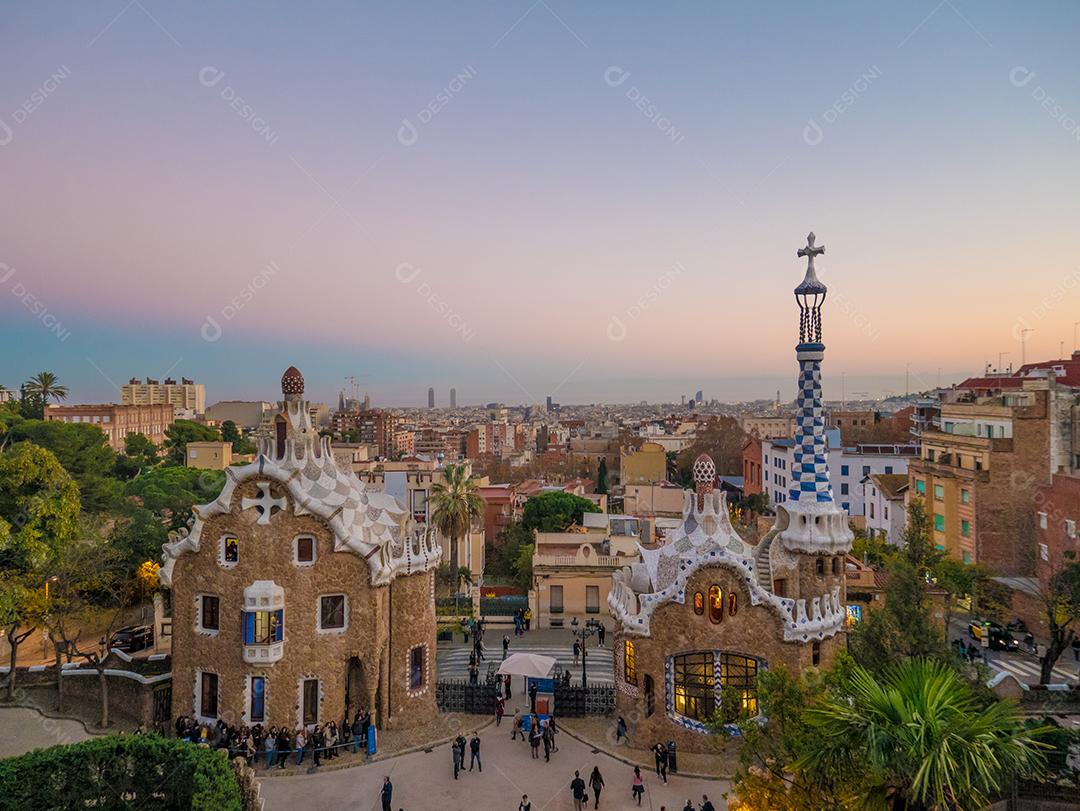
[
  {"x": 620, "y": 730},
  {"x": 507, "y": 691},
  {"x": 637, "y": 785},
  {"x": 601, "y": 634},
  {"x": 577, "y": 789},
  {"x": 553, "y": 729},
  {"x": 689, "y": 806},
  {"x": 524, "y": 805},
  {"x": 577, "y": 651},
  {"x": 358, "y": 737},
  {"x": 500, "y": 710},
  {"x": 474, "y": 752},
  {"x": 705, "y": 804},
  {"x": 528, "y": 619},
  {"x": 596, "y": 783},
  {"x": 660, "y": 755},
  {"x": 548, "y": 741},
  {"x": 506, "y": 645},
  {"x": 518, "y": 728},
  {"x": 532, "y": 697},
  {"x": 284, "y": 745},
  {"x": 387, "y": 793}
]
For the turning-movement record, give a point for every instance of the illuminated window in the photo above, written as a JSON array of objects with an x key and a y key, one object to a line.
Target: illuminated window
[
  {"x": 716, "y": 604},
  {"x": 699, "y": 603},
  {"x": 732, "y": 604},
  {"x": 262, "y": 627},
  {"x": 630, "y": 668},
  {"x": 694, "y": 685},
  {"x": 740, "y": 672}
]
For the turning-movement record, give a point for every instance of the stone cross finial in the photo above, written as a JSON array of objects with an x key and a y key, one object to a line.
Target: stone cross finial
[
  {"x": 265, "y": 503},
  {"x": 811, "y": 250}
]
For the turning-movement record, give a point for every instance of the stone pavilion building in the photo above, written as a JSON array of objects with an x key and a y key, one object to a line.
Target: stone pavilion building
[
  {"x": 299, "y": 596},
  {"x": 708, "y": 611}
]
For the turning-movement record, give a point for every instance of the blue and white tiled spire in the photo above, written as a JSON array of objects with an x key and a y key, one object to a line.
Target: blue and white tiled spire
[{"x": 810, "y": 477}]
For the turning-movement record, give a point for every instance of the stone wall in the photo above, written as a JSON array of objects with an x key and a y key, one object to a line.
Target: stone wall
[
  {"x": 266, "y": 553},
  {"x": 753, "y": 631}
]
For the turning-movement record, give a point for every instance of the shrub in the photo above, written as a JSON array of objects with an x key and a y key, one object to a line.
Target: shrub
[{"x": 121, "y": 771}]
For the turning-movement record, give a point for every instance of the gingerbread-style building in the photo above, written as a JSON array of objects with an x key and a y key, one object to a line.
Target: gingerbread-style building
[
  {"x": 708, "y": 610},
  {"x": 298, "y": 595}
]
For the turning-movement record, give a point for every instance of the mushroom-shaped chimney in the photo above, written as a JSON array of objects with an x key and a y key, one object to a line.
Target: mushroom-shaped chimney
[{"x": 292, "y": 384}]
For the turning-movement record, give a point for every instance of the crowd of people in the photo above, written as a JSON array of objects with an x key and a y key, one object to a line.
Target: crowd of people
[{"x": 273, "y": 746}]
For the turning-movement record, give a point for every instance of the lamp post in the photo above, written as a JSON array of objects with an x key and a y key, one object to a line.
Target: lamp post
[{"x": 583, "y": 634}]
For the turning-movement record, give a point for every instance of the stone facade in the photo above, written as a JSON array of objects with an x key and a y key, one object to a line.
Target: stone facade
[
  {"x": 289, "y": 530},
  {"x": 704, "y": 614}
]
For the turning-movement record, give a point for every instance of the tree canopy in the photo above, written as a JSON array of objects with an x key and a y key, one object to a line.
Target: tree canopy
[
  {"x": 555, "y": 511},
  {"x": 181, "y": 432},
  {"x": 39, "y": 507}
]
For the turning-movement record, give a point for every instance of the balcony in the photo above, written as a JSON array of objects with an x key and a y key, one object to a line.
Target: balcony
[{"x": 262, "y": 623}]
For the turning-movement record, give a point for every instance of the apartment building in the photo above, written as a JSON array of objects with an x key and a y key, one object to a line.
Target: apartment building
[
  {"x": 118, "y": 421},
  {"x": 187, "y": 394}
]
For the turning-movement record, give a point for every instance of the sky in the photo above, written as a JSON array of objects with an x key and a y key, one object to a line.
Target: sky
[{"x": 600, "y": 201}]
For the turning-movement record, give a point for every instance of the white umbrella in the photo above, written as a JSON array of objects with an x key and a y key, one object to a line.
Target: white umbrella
[{"x": 527, "y": 664}]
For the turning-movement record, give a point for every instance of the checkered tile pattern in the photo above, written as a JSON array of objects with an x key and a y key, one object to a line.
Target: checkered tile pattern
[{"x": 810, "y": 476}]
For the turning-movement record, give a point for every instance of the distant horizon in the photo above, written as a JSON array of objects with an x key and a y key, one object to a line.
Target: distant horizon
[{"x": 535, "y": 199}]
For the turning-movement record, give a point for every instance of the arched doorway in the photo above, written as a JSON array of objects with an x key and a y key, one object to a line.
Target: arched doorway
[{"x": 355, "y": 696}]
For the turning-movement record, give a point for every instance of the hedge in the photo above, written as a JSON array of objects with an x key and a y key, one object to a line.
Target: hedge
[{"x": 120, "y": 772}]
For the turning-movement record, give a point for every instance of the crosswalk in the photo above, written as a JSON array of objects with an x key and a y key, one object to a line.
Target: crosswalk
[
  {"x": 1027, "y": 670},
  {"x": 453, "y": 662}
]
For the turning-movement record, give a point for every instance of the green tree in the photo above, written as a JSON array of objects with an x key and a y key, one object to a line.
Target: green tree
[
  {"x": 170, "y": 492},
  {"x": 46, "y": 385},
  {"x": 39, "y": 507},
  {"x": 917, "y": 738},
  {"x": 1061, "y": 608},
  {"x": 555, "y": 511},
  {"x": 903, "y": 626},
  {"x": 180, "y": 433},
  {"x": 240, "y": 444},
  {"x": 21, "y": 609},
  {"x": 455, "y": 504},
  {"x": 601, "y": 477},
  {"x": 523, "y": 566},
  {"x": 84, "y": 451}
]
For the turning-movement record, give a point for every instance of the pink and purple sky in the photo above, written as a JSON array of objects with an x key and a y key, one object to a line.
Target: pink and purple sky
[{"x": 601, "y": 201}]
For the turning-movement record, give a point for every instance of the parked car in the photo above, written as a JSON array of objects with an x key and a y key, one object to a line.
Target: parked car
[
  {"x": 133, "y": 638},
  {"x": 1000, "y": 638}
]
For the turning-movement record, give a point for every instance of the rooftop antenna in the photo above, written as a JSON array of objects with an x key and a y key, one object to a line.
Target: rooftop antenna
[
  {"x": 1024, "y": 333},
  {"x": 1001, "y": 355}
]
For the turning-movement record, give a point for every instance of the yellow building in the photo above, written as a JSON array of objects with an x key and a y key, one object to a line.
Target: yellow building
[
  {"x": 572, "y": 574},
  {"x": 644, "y": 465},
  {"x": 187, "y": 394},
  {"x": 209, "y": 455}
]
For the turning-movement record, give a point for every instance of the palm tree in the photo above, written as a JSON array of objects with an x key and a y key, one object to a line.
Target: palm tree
[
  {"x": 920, "y": 740},
  {"x": 454, "y": 505},
  {"x": 46, "y": 386}
]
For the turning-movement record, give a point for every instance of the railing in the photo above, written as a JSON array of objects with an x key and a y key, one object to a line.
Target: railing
[{"x": 612, "y": 561}]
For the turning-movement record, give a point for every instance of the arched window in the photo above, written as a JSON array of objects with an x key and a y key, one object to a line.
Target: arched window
[
  {"x": 699, "y": 603},
  {"x": 732, "y": 604},
  {"x": 716, "y": 604},
  {"x": 820, "y": 565}
]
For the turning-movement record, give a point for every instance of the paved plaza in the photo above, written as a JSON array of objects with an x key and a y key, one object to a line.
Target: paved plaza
[
  {"x": 424, "y": 781},
  {"x": 26, "y": 729}
]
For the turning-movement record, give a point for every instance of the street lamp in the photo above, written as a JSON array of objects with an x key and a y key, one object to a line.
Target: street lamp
[{"x": 590, "y": 627}]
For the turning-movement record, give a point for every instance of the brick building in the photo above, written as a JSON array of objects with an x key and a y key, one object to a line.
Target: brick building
[
  {"x": 707, "y": 610},
  {"x": 300, "y": 596},
  {"x": 751, "y": 466},
  {"x": 118, "y": 421}
]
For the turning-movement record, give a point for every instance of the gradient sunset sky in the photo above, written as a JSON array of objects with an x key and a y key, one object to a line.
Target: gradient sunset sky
[{"x": 599, "y": 200}]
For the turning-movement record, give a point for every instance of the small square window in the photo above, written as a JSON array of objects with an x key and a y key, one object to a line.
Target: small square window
[
  {"x": 332, "y": 612},
  {"x": 965, "y": 496},
  {"x": 939, "y": 522},
  {"x": 1070, "y": 527},
  {"x": 305, "y": 549},
  {"x": 920, "y": 486},
  {"x": 1042, "y": 520},
  {"x": 939, "y": 492},
  {"x": 843, "y": 470},
  {"x": 965, "y": 528},
  {"x": 230, "y": 550}
]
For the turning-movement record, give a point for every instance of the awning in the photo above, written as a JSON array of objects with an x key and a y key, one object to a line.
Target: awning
[{"x": 527, "y": 664}]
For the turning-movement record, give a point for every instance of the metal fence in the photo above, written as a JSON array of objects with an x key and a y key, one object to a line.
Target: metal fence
[
  {"x": 457, "y": 695},
  {"x": 505, "y": 606},
  {"x": 577, "y": 702}
]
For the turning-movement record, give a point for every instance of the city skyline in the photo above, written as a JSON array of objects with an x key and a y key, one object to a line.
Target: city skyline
[{"x": 430, "y": 204}]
